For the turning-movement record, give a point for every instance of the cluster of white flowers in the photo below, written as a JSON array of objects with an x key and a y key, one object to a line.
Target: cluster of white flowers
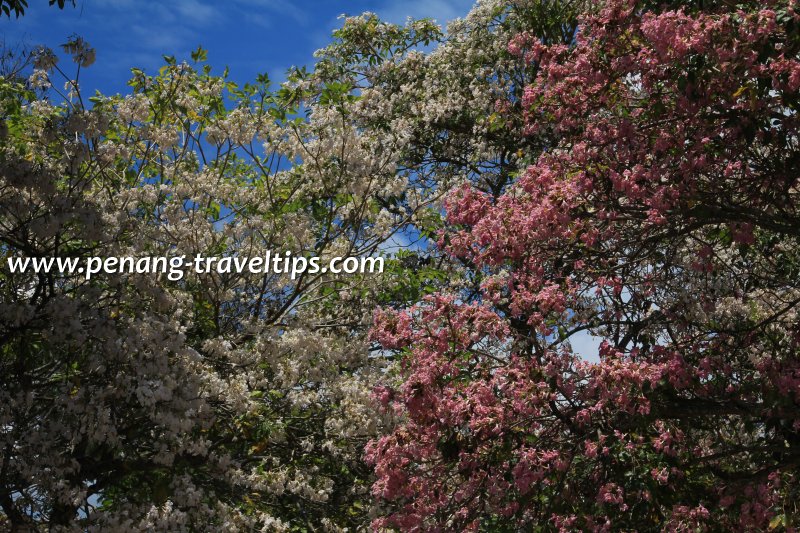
[
  {"x": 133, "y": 108},
  {"x": 39, "y": 79},
  {"x": 190, "y": 394}
]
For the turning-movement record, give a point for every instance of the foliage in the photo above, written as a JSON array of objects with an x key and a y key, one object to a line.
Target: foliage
[
  {"x": 662, "y": 217},
  {"x": 18, "y": 7},
  {"x": 223, "y": 401},
  {"x": 624, "y": 169}
]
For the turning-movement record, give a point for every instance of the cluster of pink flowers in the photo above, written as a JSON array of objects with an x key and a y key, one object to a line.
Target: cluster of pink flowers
[{"x": 650, "y": 223}]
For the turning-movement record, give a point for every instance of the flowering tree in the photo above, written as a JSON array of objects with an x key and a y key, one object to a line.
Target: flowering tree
[
  {"x": 662, "y": 217},
  {"x": 232, "y": 401},
  {"x": 458, "y": 104}
]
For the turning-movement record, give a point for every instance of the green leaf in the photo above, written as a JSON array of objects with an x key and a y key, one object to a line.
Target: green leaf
[{"x": 200, "y": 55}]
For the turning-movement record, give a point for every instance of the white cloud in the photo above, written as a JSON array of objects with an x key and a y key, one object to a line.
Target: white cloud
[
  {"x": 440, "y": 10},
  {"x": 199, "y": 13},
  {"x": 279, "y": 7},
  {"x": 586, "y": 346},
  {"x": 166, "y": 42}
]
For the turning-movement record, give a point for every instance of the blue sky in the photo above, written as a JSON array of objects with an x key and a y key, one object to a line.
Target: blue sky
[{"x": 249, "y": 36}]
